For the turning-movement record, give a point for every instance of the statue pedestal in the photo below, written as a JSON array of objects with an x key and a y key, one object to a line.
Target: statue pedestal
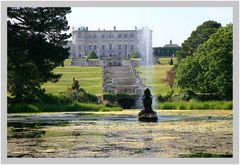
[{"x": 147, "y": 116}]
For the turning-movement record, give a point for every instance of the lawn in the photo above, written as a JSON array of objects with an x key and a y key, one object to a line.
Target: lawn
[
  {"x": 153, "y": 78},
  {"x": 90, "y": 78},
  {"x": 165, "y": 60}
]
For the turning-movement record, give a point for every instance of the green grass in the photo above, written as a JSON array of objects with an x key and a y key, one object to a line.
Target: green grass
[
  {"x": 35, "y": 108},
  {"x": 90, "y": 78},
  {"x": 196, "y": 105},
  {"x": 164, "y": 60},
  {"x": 153, "y": 78}
]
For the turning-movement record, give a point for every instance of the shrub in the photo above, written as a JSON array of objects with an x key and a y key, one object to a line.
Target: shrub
[
  {"x": 81, "y": 95},
  {"x": 114, "y": 97},
  {"x": 196, "y": 105},
  {"x": 29, "y": 108},
  {"x": 168, "y": 96},
  {"x": 184, "y": 96},
  {"x": 22, "y": 108},
  {"x": 49, "y": 98},
  {"x": 160, "y": 98},
  {"x": 135, "y": 55}
]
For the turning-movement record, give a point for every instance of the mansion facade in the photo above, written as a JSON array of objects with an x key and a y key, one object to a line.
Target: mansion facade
[{"x": 104, "y": 43}]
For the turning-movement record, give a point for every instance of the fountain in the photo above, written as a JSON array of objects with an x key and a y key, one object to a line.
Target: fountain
[
  {"x": 148, "y": 61},
  {"x": 147, "y": 114}
]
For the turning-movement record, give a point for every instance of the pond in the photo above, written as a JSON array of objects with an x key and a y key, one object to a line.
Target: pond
[{"x": 119, "y": 134}]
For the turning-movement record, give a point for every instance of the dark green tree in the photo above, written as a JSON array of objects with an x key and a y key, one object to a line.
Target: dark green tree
[
  {"x": 35, "y": 47},
  {"x": 92, "y": 55},
  {"x": 170, "y": 62},
  {"x": 209, "y": 70},
  {"x": 135, "y": 55},
  {"x": 75, "y": 84},
  {"x": 198, "y": 37}
]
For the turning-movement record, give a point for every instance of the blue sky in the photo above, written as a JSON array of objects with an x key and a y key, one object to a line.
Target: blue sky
[{"x": 167, "y": 23}]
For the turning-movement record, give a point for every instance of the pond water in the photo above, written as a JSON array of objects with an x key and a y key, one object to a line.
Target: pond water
[{"x": 106, "y": 134}]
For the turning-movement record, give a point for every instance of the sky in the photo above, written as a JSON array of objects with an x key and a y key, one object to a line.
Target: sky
[{"x": 167, "y": 23}]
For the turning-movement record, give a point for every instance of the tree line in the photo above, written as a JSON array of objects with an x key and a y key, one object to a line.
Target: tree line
[{"x": 205, "y": 61}]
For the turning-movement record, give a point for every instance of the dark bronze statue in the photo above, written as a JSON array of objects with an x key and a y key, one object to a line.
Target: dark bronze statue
[
  {"x": 147, "y": 114},
  {"x": 147, "y": 100}
]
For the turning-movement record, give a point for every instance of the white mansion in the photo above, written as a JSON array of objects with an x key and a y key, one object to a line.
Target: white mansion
[{"x": 108, "y": 42}]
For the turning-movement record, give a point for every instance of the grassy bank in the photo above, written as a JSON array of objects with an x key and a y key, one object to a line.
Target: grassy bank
[
  {"x": 183, "y": 105},
  {"x": 90, "y": 79},
  {"x": 35, "y": 108}
]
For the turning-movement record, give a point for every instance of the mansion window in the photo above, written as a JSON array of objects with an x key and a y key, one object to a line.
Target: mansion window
[
  {"x": 94, "y": 35},
  {"x": 119, "y": 47},
  {"x": 94, "y": 47},
  {"x": 110, "y": 46},
  {"x": 132, "y": 35},
  {"x": 90, "y": 47},
  {"x": 103, "y": 47},
  {"x": 125, "y": 35},
  {"x": 119, "y": 35},
  {"x": 79, "y": 47},
  {"x": 125, "y": 47},
  {"x": 131, "y": 47},
  {"x": 103, "y": 36}
]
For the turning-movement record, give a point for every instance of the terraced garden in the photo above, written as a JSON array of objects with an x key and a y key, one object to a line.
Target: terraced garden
[{"x": 90, "y": 78}]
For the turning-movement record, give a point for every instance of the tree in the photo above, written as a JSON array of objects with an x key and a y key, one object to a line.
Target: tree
[
  {"x": 170, "y": 77},
  {"x": 198, "y": 37},
  {"x": 170, "y": 62},
  {"x": 187, "y": 74},
  {"x": 209, "y": 70},
  {"x": 92, "y": 55},
  {"x": 35, "y": 47}
]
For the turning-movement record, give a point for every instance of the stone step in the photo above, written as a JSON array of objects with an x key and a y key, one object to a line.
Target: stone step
[
  {"x": 125, "y": 86},
  {"x": 125, "y": 81},
  {"x": 117, "y": 68},
  {"x": 122, "y": 75},
  {"x": 118, "y": 73},
  {"x": 120, "y": 79}
]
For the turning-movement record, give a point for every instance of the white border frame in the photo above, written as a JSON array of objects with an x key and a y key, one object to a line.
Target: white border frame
[{"x": 233, "y": 4}]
